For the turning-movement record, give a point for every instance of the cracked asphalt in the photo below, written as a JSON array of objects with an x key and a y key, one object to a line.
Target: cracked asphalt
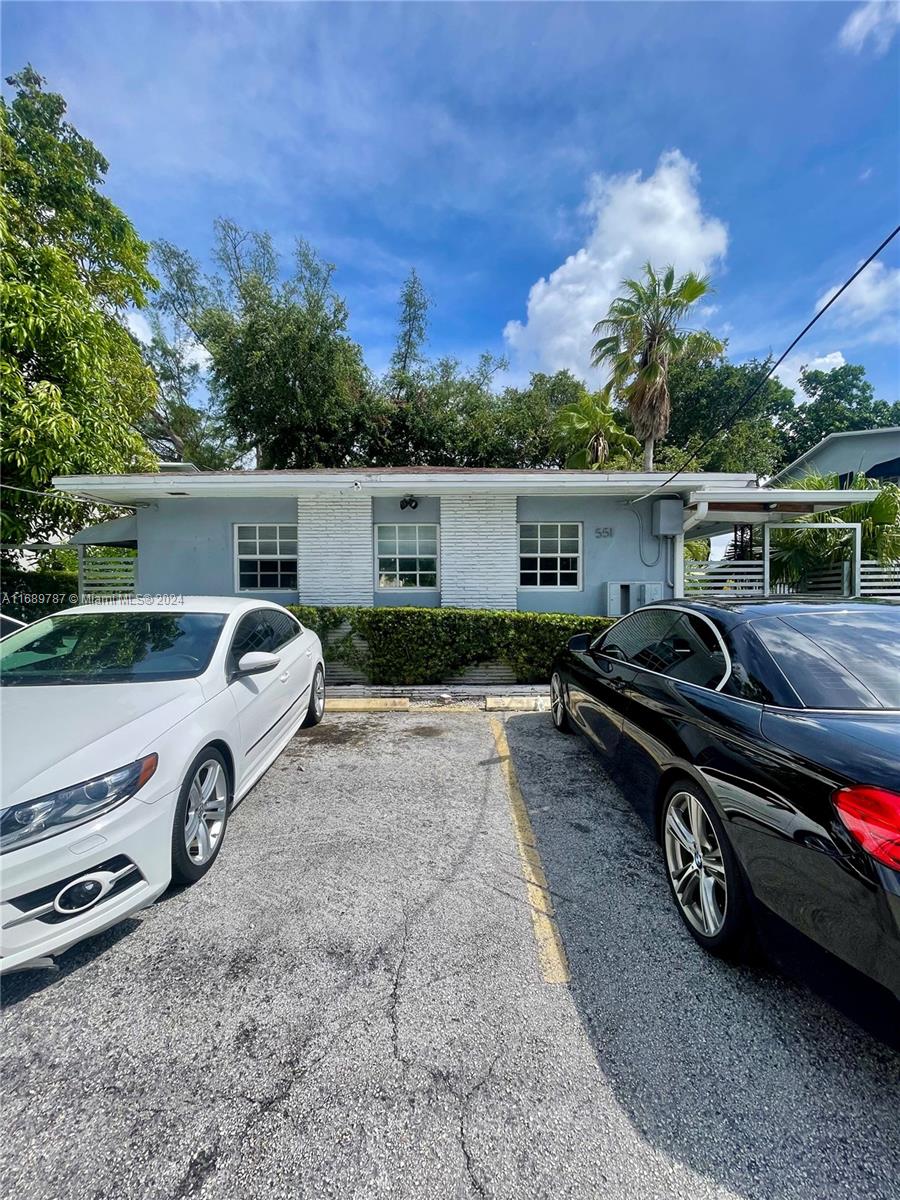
[{"x": 350, "y": 1006}]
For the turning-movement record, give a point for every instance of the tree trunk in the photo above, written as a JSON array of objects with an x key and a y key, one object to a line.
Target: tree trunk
[{"x": 648, "y": 454}]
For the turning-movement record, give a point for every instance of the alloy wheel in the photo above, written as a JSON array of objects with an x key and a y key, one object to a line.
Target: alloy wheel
[
  {"x": 695, "y": 863},
  {"x": 319, "y": 694},
  {"x": 557, "y": 704},
  {"x": 207, "y": 810}
]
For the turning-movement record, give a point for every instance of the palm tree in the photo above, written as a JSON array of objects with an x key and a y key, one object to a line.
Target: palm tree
[
  {"x": 796, "y": 552},
  {"x": 589, "y": 435},
  {"x": 642, "y": 336}
]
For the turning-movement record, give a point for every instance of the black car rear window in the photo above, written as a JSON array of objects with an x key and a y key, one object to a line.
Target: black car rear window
[{"x": 834, "y": 659}]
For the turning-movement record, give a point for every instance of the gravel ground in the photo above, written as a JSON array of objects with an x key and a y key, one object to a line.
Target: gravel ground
[{"x": 350, "y": 1006}]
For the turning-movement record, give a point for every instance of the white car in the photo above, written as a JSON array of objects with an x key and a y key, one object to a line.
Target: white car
[{"x": 128, "y": 734}]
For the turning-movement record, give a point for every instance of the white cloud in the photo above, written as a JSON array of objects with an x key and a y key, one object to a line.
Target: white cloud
[
  {"x": 876, "y": 21},
  {"x": 870, "y": 307},
  {"x": 139, "y": 326},
  {"x": 193, "y": 351},
  {"x": 789, "y": 371},
  {"x": 659, "y": 219}
]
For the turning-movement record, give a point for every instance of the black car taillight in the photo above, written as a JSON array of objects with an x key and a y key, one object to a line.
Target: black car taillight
[{"x": 872, "y": 815}]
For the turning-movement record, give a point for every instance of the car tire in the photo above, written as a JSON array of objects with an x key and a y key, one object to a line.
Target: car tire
[
  {"x": 705, "y": 879},
  {"x": 316, "y": 709},
  {"x": 203, "y": 805},
  {"x": 558, "y": 711}
]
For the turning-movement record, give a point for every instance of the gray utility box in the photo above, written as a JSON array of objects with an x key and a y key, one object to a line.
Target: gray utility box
[
  {"x": 618, "y": 597},
  {"x": 667, "y": 518}
]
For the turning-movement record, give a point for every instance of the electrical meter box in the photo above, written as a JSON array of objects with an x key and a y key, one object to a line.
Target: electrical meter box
[{"x": 667, "y": 518}]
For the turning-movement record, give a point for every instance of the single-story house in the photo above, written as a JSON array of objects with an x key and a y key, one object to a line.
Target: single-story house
[
  {"x": 872, "y": 452},
  {"x": 587, "y": 542}
]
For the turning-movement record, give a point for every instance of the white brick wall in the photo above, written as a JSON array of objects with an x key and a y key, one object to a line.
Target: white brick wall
[
  {"x": 334, "y": 550},
  {"x": 479, "y": 551}
]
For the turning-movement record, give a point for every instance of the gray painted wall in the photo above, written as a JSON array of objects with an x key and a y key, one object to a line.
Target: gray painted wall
[
  {"x": 847, "y": 455},
  {"x": 186, "y": 547},
  {"x": 615, "y": 558}
]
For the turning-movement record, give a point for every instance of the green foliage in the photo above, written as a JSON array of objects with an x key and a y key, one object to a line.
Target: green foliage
[
  {"x": 71, "y": 376},
  {"x": 642, "y": 336},
  {"x": 287, "y": 380},
  {"x": 411, "y": 336},
  {"x": 177, "y": 429},
  {"x": 703, "y": 394},
  {"x": 589, "y": 435},
  {"x": 27, "y": 595},
  {"x": 839, "y": 400},
  {"x": 795, "y": 553},
  {"x": 430, "y": 645}
]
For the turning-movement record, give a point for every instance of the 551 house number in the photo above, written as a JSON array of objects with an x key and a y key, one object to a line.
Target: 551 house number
[{"x": 604, "y": 531}]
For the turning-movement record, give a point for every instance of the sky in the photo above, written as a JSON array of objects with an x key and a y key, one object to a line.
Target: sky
[{"x": 524, "y": 158}]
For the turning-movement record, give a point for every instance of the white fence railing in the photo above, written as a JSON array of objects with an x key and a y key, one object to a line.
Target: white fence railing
[
  {"x": 743, "y": 578},
  {"x": 108, "y": 575}
]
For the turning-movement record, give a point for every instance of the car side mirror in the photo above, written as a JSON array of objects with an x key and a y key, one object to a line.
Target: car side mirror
[
  {"x": 580, "y": 643},
  {"x": 257, "y": 662}
]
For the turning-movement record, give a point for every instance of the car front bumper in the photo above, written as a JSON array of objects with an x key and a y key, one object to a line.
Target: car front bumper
[{"x": 132, "y": 844}]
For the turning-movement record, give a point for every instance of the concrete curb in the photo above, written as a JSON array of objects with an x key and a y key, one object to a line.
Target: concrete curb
[
  {"x": 368, "y": 704},
  {"x": 361, "y": 704}
]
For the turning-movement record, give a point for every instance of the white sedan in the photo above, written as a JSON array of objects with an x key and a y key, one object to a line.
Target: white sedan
[{"x": 128, "y": 735}]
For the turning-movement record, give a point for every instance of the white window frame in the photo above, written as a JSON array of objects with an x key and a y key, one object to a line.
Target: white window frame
[
  {"x": 417, "y": 525},
  {"x": 550, "y": 587},
  {"x": 257, "y": 525}
]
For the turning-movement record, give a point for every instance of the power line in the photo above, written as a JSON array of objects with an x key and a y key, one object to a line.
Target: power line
[
  {"x": 66, "y": 496},
  {"x": 740, "y": 407}
]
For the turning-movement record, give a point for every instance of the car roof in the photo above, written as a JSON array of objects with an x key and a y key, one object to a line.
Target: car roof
[
  {"x": 736, "y": 612},
  {"x": 192, "y": 604}
]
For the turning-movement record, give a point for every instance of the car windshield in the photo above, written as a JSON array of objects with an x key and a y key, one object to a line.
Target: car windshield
[
  {"x": 838, "y": 659},
  {"x": 110, "y": 647}
]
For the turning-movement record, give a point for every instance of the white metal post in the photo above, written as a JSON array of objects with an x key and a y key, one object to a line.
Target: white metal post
[
  {"x": 678, "y": 568},
  {"x": 857, "y": 560},
  {"x": 766, "y": 547},
  {"x": 80, "y": 572}
]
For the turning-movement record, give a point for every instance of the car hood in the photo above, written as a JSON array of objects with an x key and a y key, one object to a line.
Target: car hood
[
  {"x": 861, "y": 747},
  {"x": 57, "y": 736}
]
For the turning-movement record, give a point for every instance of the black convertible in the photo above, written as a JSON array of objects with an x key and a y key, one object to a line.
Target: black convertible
[{"x": 761, "y": 742}]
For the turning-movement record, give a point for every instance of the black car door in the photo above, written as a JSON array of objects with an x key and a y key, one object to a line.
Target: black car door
[{"x": 605, "y": 673}]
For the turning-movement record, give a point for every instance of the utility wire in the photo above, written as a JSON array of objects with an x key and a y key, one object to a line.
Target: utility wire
[
  {"x": 774, "y": 367},
  {"x": 67, "y": 496}
]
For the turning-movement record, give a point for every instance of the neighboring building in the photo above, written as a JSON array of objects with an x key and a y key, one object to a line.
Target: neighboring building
[
  {"x": 546, "y": 541},
  {"x": 872, "y": 452}
]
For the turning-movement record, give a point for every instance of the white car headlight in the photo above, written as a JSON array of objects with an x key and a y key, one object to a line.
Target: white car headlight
[{"x": 55, "y": 813}]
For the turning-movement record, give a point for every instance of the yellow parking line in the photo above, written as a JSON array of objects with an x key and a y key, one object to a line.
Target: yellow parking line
[{"x": 550, "y": 950}]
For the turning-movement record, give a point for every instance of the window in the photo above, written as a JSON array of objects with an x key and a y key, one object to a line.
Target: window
[
  {"x": 668, "y": 642},
  {"x": 637, "y": 638},
  {"x": 407, "y": 556},
  {"x": 283, "y": 626},
  {"x": 253, "y": 635},
  {"x": 550, "y": 555},
  {"x": 266, "y": 557},
  {"x": 111, "y": 647}
]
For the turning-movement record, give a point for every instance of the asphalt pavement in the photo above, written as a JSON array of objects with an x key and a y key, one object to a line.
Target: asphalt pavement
[{"x": 352, "y": 1005}]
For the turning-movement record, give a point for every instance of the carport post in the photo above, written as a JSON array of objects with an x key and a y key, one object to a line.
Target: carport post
[
  {"x": 766, "y": 546},
  {"x": 80, "y": 550},
  {"x": 857, "y": 559},
  {"x": 678, "y": 566}
]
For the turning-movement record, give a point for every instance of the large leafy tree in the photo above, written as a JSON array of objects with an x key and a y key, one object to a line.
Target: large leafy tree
[
  {"x": 285, "y": 377},
  {"x": 412, "y": 333},
  {"x": 73, "y": 382},
  {"x": 704, "y": 395},
  {"x": 590, "y": 436},
  {"x": 837, "y": 400},
  {"x": 642, "y": 337},
  {"x": 181, "y": 426}
]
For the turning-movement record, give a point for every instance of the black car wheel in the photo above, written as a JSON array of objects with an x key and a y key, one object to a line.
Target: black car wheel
[
  {"x": 558, "y": 710},
  {"x": 702, "y": 870},
  {"x": 316, "y": 709}
]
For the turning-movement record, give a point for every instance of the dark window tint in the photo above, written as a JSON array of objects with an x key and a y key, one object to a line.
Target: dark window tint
[
  {"x": 639, "y": 638},
  {"x": 110, "y": 647},
  {"x": 253, "y": 634},
  {"x": 845, "y": 659},
  {"x": 690, "y": 650},
  {"x": 283, "y": 627}
]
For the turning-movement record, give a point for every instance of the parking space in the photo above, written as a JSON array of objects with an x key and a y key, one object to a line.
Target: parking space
[{"x": 353, "y": 1004}]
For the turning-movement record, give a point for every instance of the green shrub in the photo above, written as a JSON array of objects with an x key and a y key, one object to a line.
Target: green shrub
[
  {"x": 28, "y": 595},
  {"x": 430, "y": 645}
]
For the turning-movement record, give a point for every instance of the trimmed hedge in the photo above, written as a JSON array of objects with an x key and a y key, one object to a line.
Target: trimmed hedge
[
  {"x": 27, "y": 595},
  {"x": 430, "y": 645}
]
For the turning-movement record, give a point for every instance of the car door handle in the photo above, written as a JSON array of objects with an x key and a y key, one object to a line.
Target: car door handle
[
  {"x": 285, "y": 677},
  {"x": 309, "y": 653}
]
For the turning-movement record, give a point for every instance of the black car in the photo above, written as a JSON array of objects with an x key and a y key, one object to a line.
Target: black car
[{"x": 761, "y": 742}]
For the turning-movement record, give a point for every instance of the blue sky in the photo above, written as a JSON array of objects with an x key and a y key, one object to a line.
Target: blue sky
[{"x": 523, "y": 157}]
